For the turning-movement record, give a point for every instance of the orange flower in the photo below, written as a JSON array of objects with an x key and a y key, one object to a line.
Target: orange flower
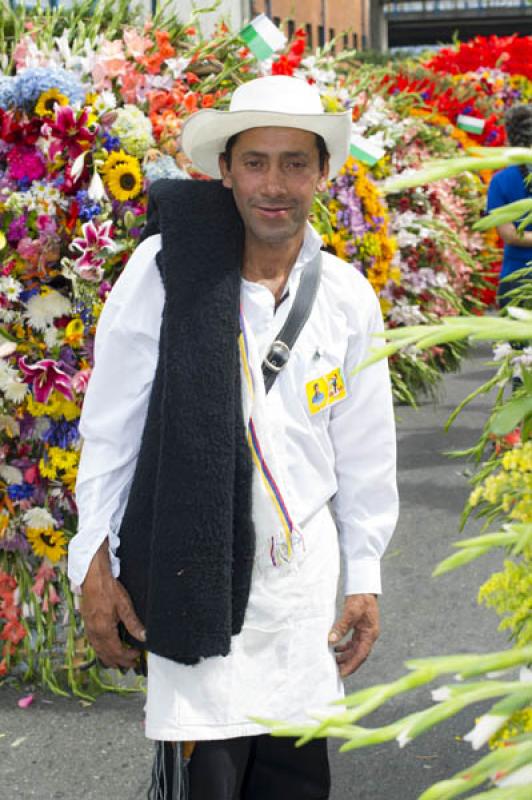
[
  {"x": 207, "y": 101},
  {"x": 190, "y": 101}
]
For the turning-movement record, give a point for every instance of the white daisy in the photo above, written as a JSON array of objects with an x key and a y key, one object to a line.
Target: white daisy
[{"x": 10, "y": 287}]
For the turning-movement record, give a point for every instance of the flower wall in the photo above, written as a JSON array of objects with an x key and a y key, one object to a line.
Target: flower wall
[{"x": 87, "y": 122}]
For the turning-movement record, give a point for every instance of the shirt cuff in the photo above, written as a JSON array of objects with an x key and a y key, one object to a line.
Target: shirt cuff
[
  {"x": 81, "y": 551},
  {"x": 362, "y": 576}
]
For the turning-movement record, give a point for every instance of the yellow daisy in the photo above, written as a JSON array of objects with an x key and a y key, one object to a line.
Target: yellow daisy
[
  {"x": 45, "y": 106},
  {"x": 47, "y": 543},
  {"x": 125, "y": 180}
]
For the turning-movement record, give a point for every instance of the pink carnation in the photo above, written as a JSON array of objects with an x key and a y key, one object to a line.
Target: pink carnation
[{"x": 25, "y": 163}]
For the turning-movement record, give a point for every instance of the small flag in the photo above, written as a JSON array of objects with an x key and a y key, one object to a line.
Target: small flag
[
  {"x": 263, "y": 37},
  {"x": 470, "y": 124},
  {"x": 364, "y": 150}
]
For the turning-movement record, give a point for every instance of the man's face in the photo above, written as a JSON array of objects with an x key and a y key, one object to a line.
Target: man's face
[{"x": 274, "y": 175}]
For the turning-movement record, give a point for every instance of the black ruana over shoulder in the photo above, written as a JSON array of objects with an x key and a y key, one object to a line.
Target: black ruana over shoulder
[{"x": 186, "y": 538}]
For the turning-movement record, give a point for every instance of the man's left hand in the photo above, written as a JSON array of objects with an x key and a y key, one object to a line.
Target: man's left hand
[{"x": 360, "y": 615}]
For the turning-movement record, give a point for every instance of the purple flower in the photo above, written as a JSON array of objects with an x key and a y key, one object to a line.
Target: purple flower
[{"x": 17, "y": 229}]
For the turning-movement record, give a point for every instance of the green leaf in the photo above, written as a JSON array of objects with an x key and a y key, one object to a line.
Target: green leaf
[{"x": 510, "y": 415}]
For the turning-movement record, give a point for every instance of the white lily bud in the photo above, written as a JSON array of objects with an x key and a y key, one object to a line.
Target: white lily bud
[
  {"x": 403, "y": 738},
  {"x": 96, "y": 190},
  {"x": 485, "y": 727},
  {"x": 77, "y": 166}
]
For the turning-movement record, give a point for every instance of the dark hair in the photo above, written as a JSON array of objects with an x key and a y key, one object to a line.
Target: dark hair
[
  {"x": 323, "y": 153},
  {"x": 518, "y": 124}
]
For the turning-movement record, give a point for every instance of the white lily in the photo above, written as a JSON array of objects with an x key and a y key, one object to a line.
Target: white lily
[
  {"x": 521, "y": 777},
  {"x": 485, "y": 727},
  {"x": 78, "y": 165},
  {"x": 96, "y": 190}
]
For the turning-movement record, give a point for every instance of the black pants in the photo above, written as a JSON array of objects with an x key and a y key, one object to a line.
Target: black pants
[{"x": 259, "y": 768}]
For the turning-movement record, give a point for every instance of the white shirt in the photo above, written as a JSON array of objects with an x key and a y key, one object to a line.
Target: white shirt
[{"x": 345, "y": 453}]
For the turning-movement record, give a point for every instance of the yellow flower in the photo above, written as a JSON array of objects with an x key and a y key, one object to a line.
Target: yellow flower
[
  {"x": 124, "y": 181},
  {"x": 47, "y": 543},
  {"x": 74, "y": 333},
  {"x": 117, "y": 158},
  {"x": 4, "y": 522},
  {"x": 45, "y": 106},
  {"x": 47, "y": 469}
]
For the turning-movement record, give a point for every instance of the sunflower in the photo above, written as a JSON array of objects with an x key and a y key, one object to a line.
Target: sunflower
[
  {"x": 125, "y": 180},
  {"x": 114, "y": 159},
  {"x": 47, "y": 542},
  {"x": 45, "y": 106}
]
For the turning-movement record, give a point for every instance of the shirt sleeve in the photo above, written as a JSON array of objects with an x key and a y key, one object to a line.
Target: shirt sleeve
[
  {"x": 497, "y": 196},
  {"x": 362, "y": 431},
  {"x": 115, "y": 406}
]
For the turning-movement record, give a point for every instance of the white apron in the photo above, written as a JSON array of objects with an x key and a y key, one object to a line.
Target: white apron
[{"x": 280, "y": 665}]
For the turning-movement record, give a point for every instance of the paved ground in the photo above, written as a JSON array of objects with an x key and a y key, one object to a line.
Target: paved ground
[{"x": 59, "y": 749}]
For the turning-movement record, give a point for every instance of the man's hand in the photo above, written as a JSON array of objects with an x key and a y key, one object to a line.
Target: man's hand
[
  {"x": 360, "y": 615},
  {"x": 105, "y": 603}
]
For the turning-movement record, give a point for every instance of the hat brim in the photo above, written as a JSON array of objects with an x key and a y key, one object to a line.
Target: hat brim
[{"x": 205, "y": 133}]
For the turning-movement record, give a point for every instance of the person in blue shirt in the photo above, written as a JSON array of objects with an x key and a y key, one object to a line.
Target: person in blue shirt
[{"x": 507, "y": 186}]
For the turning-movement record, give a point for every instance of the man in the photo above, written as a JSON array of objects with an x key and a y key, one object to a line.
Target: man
[
  {"x": 507, "y": 186},
  {"x": 275, "y": 650}
]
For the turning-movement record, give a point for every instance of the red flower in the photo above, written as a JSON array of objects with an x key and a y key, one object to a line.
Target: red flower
[{"x": 69, "y": 132}]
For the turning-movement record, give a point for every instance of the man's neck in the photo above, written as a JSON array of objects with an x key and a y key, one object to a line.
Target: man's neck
[{"x": 270, "y": 263}]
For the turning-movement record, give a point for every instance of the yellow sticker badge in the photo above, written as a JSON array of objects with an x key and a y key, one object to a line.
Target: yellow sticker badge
[{"x": 325, "y": 391}]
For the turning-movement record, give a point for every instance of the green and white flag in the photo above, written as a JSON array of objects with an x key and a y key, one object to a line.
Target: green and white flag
[
  {"x": 470, "y": 124},
  {"x": 263, "y": 37},
  {"x": 364, "y": 150}
]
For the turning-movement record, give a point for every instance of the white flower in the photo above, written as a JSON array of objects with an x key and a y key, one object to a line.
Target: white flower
[
  {"x": 521, "y": 777},
  {"x": 43, "y": 308},
  {"x": 500, "y": 351},
  {"x": 525, "y": 675},
  {"x": 403, "y": 738},
  {"x": 485, "y": 727},
  {"x": 96, "y": 190},
  {"x": 10, "y": 425},
  {"x": 51, "y": 336},
  {"x": 38, "y": 517},
  {"x": 105, "y": 101},
  {"x": 10, "y": 474},
  {"x": 15, "y": 391},
  {"x": 10, "y": 287},
  {"x": 77, "y": 165},
  {"x": 7, "y": 349}
]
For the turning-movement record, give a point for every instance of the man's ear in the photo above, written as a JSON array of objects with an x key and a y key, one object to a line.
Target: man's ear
[
  {"x": 226, "y": 175},
  {"x": 322, "y": 183}
]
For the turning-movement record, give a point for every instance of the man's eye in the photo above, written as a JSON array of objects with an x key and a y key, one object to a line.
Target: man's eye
[
  {"x": 253, "y": 164},
  {"x": 296, "y": 164}
]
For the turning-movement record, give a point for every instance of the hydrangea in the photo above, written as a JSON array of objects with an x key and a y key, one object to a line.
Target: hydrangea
[
  {"x": 134, "y": 130},
  {"x": 162, "y": 167},
  {"x": 24, "y": 89}
]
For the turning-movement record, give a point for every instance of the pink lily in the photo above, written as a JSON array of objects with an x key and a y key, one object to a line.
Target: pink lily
[
  {"x": 45, "y": 376},
  {"x": 69, "y": 132},
  {"x": 95, "y": 237},
  {"x": 25, "y": 701},
  {"x": 80, "y": 380}
]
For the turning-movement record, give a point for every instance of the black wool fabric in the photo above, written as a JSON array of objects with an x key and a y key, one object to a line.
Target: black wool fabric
[{"x": 186, "y": 538}]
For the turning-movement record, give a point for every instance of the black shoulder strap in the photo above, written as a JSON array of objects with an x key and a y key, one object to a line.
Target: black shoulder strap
[{"x": 280, "y": 348}]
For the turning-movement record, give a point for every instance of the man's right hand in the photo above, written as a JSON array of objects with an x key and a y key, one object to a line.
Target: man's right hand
[{"x": 105, "y": 603}]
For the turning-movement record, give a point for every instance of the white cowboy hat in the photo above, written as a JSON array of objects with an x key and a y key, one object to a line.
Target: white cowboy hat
[{"x": 277, "y": 100}]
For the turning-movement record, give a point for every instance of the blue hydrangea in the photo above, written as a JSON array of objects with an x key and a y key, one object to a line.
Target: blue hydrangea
[
  {"x": 7, "y": 92},
  {"x": 162, "y": 167},
  {"x": 24, "y": 89},
  {"x": 87, "y": 207}
]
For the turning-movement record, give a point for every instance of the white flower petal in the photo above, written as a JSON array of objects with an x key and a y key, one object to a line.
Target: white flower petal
[{"x": 485, "y": 727}]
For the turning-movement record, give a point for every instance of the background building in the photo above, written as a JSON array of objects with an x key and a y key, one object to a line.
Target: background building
[{"x": 322, "y": 20}]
